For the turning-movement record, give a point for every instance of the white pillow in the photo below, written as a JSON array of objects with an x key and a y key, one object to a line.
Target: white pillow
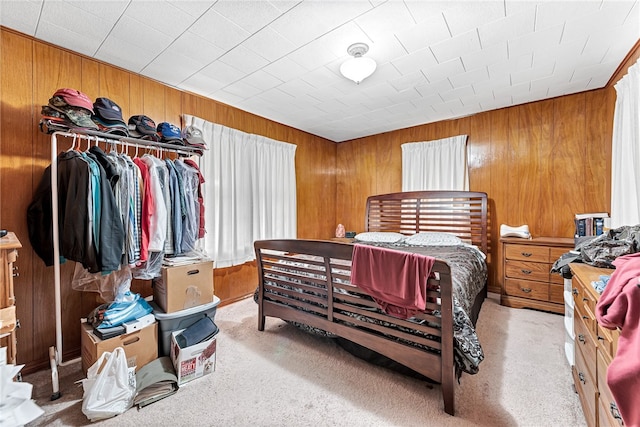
[
  {"x": 432, "y": 238},
  {"x": 379, "y": 237}
]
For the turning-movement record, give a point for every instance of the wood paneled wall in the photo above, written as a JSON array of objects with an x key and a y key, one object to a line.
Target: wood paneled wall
[
  {"x": 30, "y": 72},
  {"x": 539, "y": 163}
]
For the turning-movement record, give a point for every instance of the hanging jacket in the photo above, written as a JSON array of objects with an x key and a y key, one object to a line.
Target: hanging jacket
[{"x": 73, "y": 224}]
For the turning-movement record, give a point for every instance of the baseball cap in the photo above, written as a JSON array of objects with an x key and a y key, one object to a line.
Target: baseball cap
[
  {"x": 141, "y": 126},
  {"x": 74, "y": 98},
  {"x": 112, "y": 127},
  {"x": 75, "y": 116},
  {"x": 193, "y": 136},
  {"x": 170, "y": 133},
  {"x": 107, "y": 110}
]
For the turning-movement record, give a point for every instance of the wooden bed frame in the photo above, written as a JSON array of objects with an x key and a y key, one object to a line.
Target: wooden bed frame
[{"x": 316, "y": 292}]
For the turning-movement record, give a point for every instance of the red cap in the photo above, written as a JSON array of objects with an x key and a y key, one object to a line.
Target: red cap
[{"x": 75, "y": 98}]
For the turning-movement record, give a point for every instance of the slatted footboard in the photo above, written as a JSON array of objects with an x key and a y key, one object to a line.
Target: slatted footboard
[{"x": 307, "y": 281}]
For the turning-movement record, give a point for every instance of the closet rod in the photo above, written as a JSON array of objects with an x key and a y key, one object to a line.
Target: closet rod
[
  {"x": 55, "y": 353},
  {"x": 125, "y": 140}
]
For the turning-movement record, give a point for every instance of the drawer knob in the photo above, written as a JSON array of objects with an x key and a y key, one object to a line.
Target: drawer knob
[
  {"x": 585, "y": 299},
  {"x": 581, "y": 376},
  {"x": 585, "y": 317},
  {"x": 600, "y": 338},
  {"x": 526, "y": 254},
  {"x": 581, "y": 338},
  {"x": 525, "y": 290},
  {"x": 575, "y": 291},
  {"x": 525, "y": 271}
]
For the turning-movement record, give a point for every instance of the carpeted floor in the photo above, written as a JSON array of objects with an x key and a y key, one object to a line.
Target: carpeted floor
[{"x": 285, "y": 377}]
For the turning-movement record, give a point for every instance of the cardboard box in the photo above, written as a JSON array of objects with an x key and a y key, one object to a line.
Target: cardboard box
[
  {"x": 184, "y": 286},
  {"x": 141, "y": 346},
  {"x": 195, "y": 361}
]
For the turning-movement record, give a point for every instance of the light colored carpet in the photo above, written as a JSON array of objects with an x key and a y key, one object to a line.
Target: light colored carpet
[{"x": 285, "y": 377}]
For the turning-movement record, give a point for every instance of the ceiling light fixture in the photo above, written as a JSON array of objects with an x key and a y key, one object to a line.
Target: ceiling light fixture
[{"x": 358, "y": 68}]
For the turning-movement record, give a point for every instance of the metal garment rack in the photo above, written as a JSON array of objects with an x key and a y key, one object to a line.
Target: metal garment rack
[{"x": 55, "y": 352}]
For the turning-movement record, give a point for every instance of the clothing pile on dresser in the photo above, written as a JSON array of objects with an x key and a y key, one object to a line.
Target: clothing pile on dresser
[{"x": 117, "y": 211}]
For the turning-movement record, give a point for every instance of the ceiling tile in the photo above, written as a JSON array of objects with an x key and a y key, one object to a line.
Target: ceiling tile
[
  {"x": 415, "y": 61},
  {"x": 21, "y": 15},
  {"x": 488, "y": 55},
  {"x": 551, "y": 14},
  {"x": 196, "y": 48},
  {"x": 140, "y": 35},
  {"x": 506, "y": 28},
  {"x": 263, "y": 80},
  {"x": 194, "y": 8},
  {"x": 250, "y": 15},
  {"x": 244, "y": 60},
  {"x": 547, "y": 38},
  {"x": 462, "y": 17},
  {"x": 172, "y": 68},
  {"x": 296, "y": 26},
  {"x": 313, "y": 55},
  {"x": 218, "y": 30},
  {"x": 285, "y": 69},
  {"x": 111, "y": 52},
  {"x": 457, "y": 93},
  {"x": 201, "y": 84},
  {"x": 163, "y": 17},
  {"x": 296, "y": 88},
  {"x": 269, "y": 44},
  {"x": 224, "y": 73},
  {"x": 62, "y": 36},
  {"x": 408, "y": 81},
  {"x": 469, "y": 77},
  {"x": 434, "y": 87},
  {"x": 444, "y": 70},
  {"x": 423, "y": 34},
  {"x": 386, "y": 18},
  {"x": 242, "y": 90},
  {"x": 456, "y": 46}
]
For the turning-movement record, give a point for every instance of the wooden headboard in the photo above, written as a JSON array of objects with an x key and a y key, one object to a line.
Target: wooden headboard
[{"x": 462, "y": 213}]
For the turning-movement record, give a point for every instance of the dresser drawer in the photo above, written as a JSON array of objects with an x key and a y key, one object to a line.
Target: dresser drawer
[
  {"x": 585, "y": 344},
  {"x": 527, "y": 289},
  {"x": 527, "y": 270},
  {"x": 586, "y": 388},
  {"x": 608, "y": 411},
  {"x": 556, "y": 293},
  {"x": 608, "y": 342},
  {"x": 527, "y": 253}
]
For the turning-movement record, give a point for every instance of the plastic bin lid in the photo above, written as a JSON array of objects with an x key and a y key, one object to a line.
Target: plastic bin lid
[{"x": 161, "y": 315}]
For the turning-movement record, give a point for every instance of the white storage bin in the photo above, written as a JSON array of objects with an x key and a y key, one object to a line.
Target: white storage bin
[{"x": 170, "y": 322}]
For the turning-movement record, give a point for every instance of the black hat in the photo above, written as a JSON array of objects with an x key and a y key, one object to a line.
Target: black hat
[
  {"x": 108, "y": 110},
  {"x": 141, "y": 126}
]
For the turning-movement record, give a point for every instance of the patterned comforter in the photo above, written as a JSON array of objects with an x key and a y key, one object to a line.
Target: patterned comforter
[{"x": 469, "y": 275}]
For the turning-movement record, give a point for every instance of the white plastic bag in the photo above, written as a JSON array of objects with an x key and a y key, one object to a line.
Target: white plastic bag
[{"x": 107, "y": 391}]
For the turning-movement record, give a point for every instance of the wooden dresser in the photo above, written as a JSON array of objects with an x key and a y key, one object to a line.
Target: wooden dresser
[
  {"x": 9, "y": 246},
  {"x": 595, "y": 347},
  {"x": 528, "y": 281}
]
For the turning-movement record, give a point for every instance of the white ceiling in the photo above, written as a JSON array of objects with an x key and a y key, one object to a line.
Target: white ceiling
[{"x": 279, "y": 59}]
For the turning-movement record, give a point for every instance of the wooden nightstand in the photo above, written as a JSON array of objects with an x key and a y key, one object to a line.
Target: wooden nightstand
[{"x": 528, "y": 281}]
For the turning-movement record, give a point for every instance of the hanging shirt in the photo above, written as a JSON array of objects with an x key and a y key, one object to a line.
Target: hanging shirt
[
  {"x": 147, "y": 210},
  {"x": 190, "y": 223},
  {"x": 200, "y": 198},
  {"x": 177, "y": 201},
  {"x": 158, "y": 221}
]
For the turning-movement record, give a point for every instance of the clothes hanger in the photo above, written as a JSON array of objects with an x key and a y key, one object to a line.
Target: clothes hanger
[{"x": 73, "y": 145}]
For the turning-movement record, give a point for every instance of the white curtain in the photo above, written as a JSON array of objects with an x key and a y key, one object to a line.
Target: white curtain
[
  {"x": 625, "y": 159},
  {"x": 435, "y": 165},
  {"x": 249, "y": 191}
]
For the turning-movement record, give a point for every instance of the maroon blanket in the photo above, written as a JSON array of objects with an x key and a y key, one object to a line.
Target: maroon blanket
[{"x": 396, "y": 280}]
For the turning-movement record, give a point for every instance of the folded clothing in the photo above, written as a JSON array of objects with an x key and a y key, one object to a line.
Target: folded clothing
[{"x": 200, "y": 331}]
